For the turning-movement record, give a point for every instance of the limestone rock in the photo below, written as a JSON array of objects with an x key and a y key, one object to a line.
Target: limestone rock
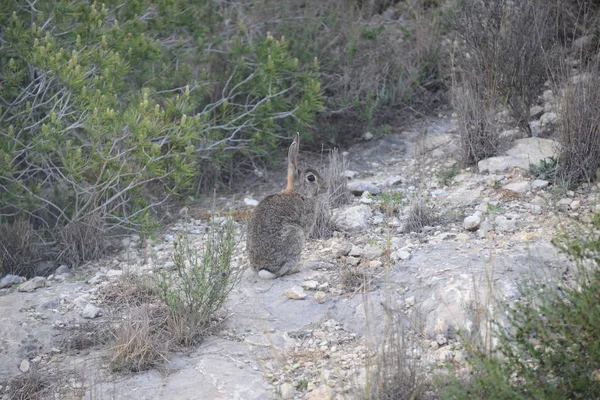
[
  {"x": 352, "y": 218},
  {"x": 32, "y": 284},
  {"x": 358, "y": 187},
  {"x": 295, "y": 293},
  {"x": 90, "y": 311}
]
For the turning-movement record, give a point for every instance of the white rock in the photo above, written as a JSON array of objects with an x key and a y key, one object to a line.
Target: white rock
[
  {"x": 310, "y": 285},
  {"x": 518, "y": 187},
  {"x": 504, "y": 224},
  {"x": 373, "y": 251},
  {"x": 575, "y": 204},
  {"x": 359, "y": 187},
  {"x": 539, "y": 184},
  {"x": 367, "y": 136},
  {"x": 321, "y": 393},
  {"x": 536, "y": 111},
  {"x": 295, "y": 293},
  {"x": 375, "y": 263},
  {"x": 32, "y": 284},
  {"x": 356, "y": 251},
  {"x": 24, "y": 366},
  {"x": 548, "y": 118},
  {"x": 349, "y": 174},
  {"x": 342, "y": 249},
  {"x": 250, "y": 202},
  {"x": 320, "y": 297},
  {"x": 536, "y": 209},
  {"x": 403, "y": 255},
  {"x": 111, "y": 273},
  {"x": 287, "y": 391},
  {"x": 10, "y": 280},
  {"x": 91, "y": 311},
  {"x": 472, "y": 222},
  {"x": 353, "y": 218}
]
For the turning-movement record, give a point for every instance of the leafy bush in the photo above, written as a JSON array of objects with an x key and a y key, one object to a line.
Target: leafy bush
[
  {"x": 108, "y": 110},
  {"x": 546, "y": 169},
  {"x": 551, "y": 348},
  {"x": 375, "y": 56},
  {"x": 198, "y": 285}
]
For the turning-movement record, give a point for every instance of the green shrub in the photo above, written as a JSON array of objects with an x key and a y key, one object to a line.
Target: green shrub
[
  {"x": 198, "y": 285},
  {"x": 108, "y": 110},
  {"x": 551, "y": 347}
]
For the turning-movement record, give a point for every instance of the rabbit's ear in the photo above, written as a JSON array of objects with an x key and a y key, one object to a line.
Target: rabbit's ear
[{"x": 292, "y": 163}]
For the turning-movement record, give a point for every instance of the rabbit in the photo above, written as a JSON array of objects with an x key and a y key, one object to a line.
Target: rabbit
[{"x": 281, "y": 222}]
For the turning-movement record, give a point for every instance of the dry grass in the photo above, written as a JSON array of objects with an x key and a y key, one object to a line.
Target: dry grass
[
  {"x": 337, "y": 195},
  {"x": 18, "y": 250},
  {"x": 509, "y": 51},
  {"x": 420, "y": 216},
  {"x": 32, "y": 385},
  {"x": 86, "y": 335},
  {"x": 579, "y": 156},
  {"x": 82, "y": 240},
  {"x": 140, "y": 341}
]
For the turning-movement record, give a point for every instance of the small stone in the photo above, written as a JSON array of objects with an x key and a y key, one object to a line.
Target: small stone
[
  {"x": 373, "y": 251},
  {"x": 36, "y": 360},
  {"x": 539, "y": 184},
  {"x": 250, "y": 202},
  {"x": 287, "y": 391},
  {"x": 463, "y": 237},
  {"x": 356, "y": 251},
  {"x": 323, "y": 392},
  {"x": 375, "y": 264},
  {"x": 113, "y": 273},
  {"x": 310, "y": 285},
  {"x": 10, "y": 280},
  {"x": 32, "y": 284},
  {"x": 342, "y": 249},
  {"x": 353, "y": 218},
  {"x": 536, "y": 111},
  {"x": 367, "y": 136},
  {"x": 357, "y": 188},
  {"x": 536, "y": 209},
  {"x": 504, "y": 224},
  {"x": 91, "y": 311},
  {"x": 295, "y": 293},
  {"x": 518, "y": 187},
  {"x": 320, "y": 297},
  {"x": 403, "y": 255},
  {"x": 409, "y": 301},
  {"x": 366, "y": 198},
  {"x": 472, "y": 222},
  {"x": 24, "y": 366},
  {"x": 349, "y": 174},
  {"x": 548, "y": 118},
  {"x": 548, "y": 95},
  {"x": 353, "y": 261},
  {"x": 63, "y": 269},
  {"x": 441, "y": 339},
  {"x": 575, "y": 204}
]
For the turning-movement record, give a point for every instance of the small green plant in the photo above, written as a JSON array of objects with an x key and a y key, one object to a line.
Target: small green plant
[
  {"x": 372, "y": 33},
  {"x": 550, "y": 348},
  {"x": 390, "y": 201},
  {"x": 302, "y": 385},
  {"x": 546, "y": 169},
  {"x": 446, "y": 175},
  {"x": 199, "y": 283},
  {"x": 494, "y": 208}
]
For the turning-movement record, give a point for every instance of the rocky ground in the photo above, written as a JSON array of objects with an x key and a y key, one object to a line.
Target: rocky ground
[{"x": 312, "y": 335}]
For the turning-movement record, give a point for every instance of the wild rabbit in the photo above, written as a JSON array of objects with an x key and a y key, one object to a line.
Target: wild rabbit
[{"x": 280, "y": 223}]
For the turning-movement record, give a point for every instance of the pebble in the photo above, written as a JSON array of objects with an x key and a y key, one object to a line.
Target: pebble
[
  {"x": 310, "y": 285},
  {"x": 250, "y": 202},
  {"x": 24, "y": 366},
  {"x": 10, "y": 280},
  {"x": 91, "y": 311},
  {"x": 472, "y": 222},
  {"x": 403, "y": 255},
  {"x": 287, "y": 391},
  {"x": 295, "y": 293},
  {"x": 356, "y": 251},
  {"x": 320, "y": 297}
]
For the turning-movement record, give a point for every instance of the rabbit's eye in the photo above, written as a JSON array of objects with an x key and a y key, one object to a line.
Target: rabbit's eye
[{"x": 311, "y": 178}]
